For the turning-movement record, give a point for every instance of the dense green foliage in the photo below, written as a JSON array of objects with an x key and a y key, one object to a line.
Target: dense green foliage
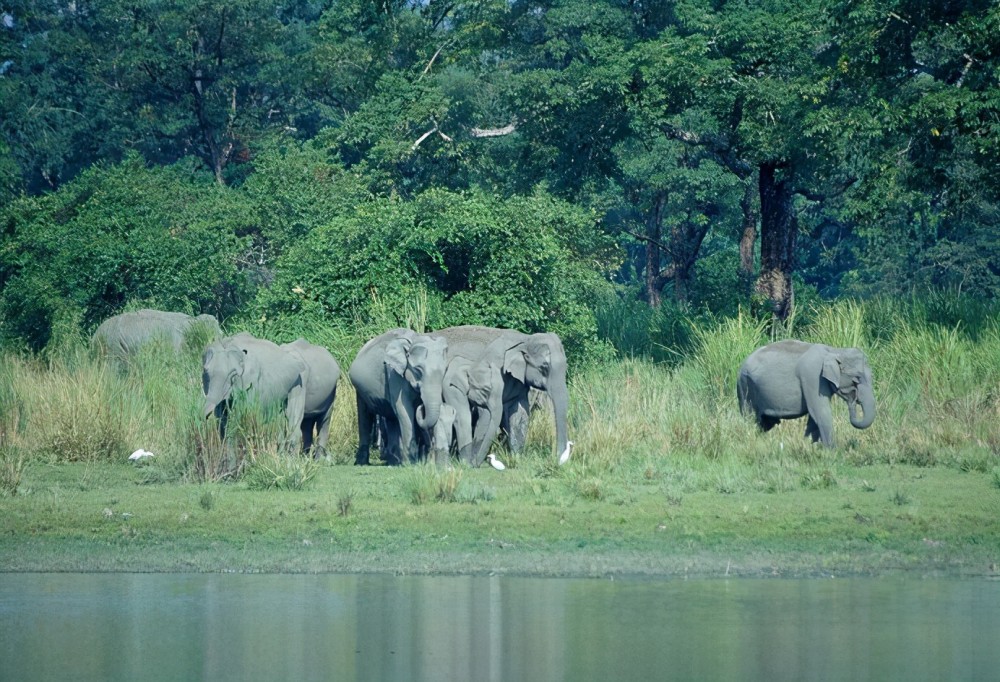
[
  {"x": 467, "y": 258},
  {"x": 519, "y": 163},
  {"x": 115, "y": 235}
]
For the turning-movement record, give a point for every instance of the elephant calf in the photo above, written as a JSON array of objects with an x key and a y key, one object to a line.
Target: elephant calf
[{"x": 791, "y": 379}]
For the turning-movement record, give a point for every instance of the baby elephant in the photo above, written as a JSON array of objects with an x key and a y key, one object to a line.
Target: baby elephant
[{"x": 791, "y": 379}]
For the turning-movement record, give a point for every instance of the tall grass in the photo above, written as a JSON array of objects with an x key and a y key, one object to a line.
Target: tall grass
[{"x": 674, "y": 424}]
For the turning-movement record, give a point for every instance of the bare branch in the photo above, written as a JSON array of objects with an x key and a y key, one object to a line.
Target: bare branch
[
  {"x": 965, "y": 69},
  {"x": 431, "y": 62},
  {"x": 424, "y": 137},
  {"x": 641, "y": 237},
  {"x": 494, "y": 132}
]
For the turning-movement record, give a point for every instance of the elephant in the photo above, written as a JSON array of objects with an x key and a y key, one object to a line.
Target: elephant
[
  {"x": 121, "y": 336},
  {"x": 298, "y": 376},
  {"x": 393, "y": 374},
  {"x": 791, "y": 379},
  {"x": 321, "y": 392},
  {"x": 525, "y": 361},
  {"x": 474, "y": 390}
]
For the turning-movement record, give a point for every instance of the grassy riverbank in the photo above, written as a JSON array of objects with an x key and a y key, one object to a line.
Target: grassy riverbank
[
  {"x": 666, "y": 477},
  {"x": 861, "y": 520}
]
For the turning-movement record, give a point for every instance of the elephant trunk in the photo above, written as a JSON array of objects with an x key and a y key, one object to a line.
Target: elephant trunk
[
  {"x": 215, "y": 395},
  {"x": 427, "y": 414},
  {"x": 559, "y": 395},
  {"x": 866, "y": 396}
]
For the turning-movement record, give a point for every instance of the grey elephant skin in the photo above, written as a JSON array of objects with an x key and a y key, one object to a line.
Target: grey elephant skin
[
  {"x": 473, "y": 389},
  {"x": 525, "y": 361},
  {"x": 299, "y": 377},
  {"x": 394, "y": 374},
  {"x": 438, "y": 440},
  {"x": 792, "y": 379},
  {"x": 121, "y": 336}
]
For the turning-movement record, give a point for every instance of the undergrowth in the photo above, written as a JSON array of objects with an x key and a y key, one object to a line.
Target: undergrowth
[{"x": 672, "y": 424}]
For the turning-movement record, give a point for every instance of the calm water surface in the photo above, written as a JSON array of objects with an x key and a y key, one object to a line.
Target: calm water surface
[{"x": 309, "y": 627}]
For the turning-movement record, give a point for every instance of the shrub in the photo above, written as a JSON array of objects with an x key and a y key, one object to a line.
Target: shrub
[
  {"x": 120, "y": 233},
  {"x": 448, "y": 258}
]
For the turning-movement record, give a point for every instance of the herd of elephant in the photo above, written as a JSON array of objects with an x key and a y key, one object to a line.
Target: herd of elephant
[
  {"x": 424, "y": 396},
  {"x": 418, "y": 395}
]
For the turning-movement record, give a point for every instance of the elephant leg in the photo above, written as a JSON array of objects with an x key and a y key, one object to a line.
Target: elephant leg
[
  {"x": 767, "y": 423},
  {"x": 391, "y": 450},
  {"x": 323, "y": 434},
  {"x": 487, "y": 427},
  {"x": 405, "y": 423},
  {"x": 516, "y": 418},
  {"x": 308, "y": 425},
  {"x": 463, "y": 422},
  {"x": 366, "y": 424},
  {"x": 812, "y": 430},
  {"x": 295, "y": 413},
  {"x": 820, "y": 414}
]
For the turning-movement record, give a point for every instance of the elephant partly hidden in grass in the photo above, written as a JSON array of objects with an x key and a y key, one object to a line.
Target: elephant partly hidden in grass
[
  {"x": 791, "y": 379},
  {"x": 121, "y": 336},
  {"x": 394, "y": 374},
  {"x": 300, "y": 377},
  {"x": 521, "y": 362}
]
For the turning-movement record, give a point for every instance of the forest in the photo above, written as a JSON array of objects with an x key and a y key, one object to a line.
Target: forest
[
  {"x": 666, "y": 185},
  {"x": 602, "y": 169}
]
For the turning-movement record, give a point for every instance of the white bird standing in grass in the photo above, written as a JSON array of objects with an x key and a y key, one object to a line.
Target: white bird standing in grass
[
  {"x": 140, "y": 454},
  {"x": 494, "y": 462},
  {"x": 564, "y": 457}
]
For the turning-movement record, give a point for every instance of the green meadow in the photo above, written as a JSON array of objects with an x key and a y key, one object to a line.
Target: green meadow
[{"x": 666, "y": 478}]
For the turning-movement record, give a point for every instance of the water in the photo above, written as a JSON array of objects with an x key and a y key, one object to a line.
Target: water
[{"x": 328, "y": 627}]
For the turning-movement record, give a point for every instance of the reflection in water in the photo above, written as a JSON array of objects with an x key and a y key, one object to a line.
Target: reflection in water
[{"x": 308, "y": 627}]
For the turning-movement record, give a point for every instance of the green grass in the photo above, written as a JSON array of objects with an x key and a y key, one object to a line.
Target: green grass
[
  {"x": 877, "y": 519},
  {"x": 666, "y": 476}
]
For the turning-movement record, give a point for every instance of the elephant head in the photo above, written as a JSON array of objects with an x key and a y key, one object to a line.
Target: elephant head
[
  {"x": 420, "y": 361},
  {"x": 850, "y": 376},
  {"x": 539, "y": 361},
  {"x": 223, "y": 369}
]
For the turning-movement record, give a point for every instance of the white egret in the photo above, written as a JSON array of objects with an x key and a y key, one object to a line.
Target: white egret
[
  {"x": 564, "y": 457},
  {"x": 494, "y": 462},
  {"x": 140, "y": 454}
]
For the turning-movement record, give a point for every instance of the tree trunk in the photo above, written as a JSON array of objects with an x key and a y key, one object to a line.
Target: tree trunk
[
  {"x": 778, "y": 231},
  {"x": 654, "y": 232},
  {"x": 748, "y": 238},
  {"x": 686, "y": 239}
]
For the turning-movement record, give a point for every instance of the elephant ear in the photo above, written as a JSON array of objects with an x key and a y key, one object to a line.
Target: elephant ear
[
  {"x": 481, "y": 382},
  {"x": 395, "y": 355},
  {"x": 514, "y": 363},
  {"x": 831, "y": 370},
  {"x": 458, "y": 375}
]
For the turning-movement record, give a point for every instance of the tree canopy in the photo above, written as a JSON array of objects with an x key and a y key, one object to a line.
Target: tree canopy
[{"x": 510, "y": 162}]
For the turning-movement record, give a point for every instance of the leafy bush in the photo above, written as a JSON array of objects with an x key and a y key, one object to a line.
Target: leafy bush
[
  {"x": 460, "y": 258},
  {"x": 116, "y": 234}
]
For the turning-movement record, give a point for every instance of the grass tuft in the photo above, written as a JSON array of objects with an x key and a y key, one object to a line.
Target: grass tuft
[
  {"x": 273, "y": 470},
  {"x": 345, "y": 502}
]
